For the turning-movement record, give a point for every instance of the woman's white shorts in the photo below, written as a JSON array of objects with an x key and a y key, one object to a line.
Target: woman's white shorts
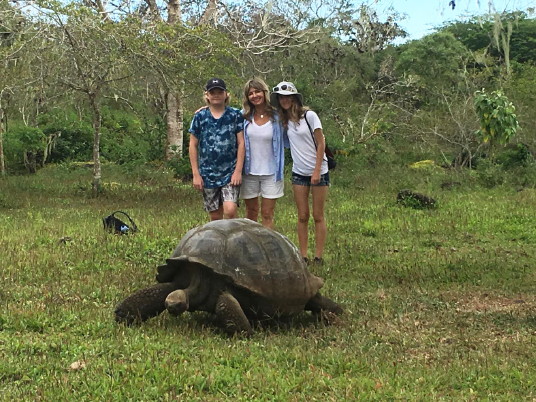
[{"x": 254, "y": 186}]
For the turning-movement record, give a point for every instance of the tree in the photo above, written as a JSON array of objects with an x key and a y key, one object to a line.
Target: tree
[
  {"x": 438, "y": 60},
  {"x": 505, "y": 37},
  {"x": 93, "y": 59},
  {"x": 368, "y": 34},
  {"x": 20, "y": 41},
  {"x": 498, "y": 121},
  {"x": 170, "y": 53},
  {"x": 10, "y": 45},
  {"x": 173, "y": 96}
]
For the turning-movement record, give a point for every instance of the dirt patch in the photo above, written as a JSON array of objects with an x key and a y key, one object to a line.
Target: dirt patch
[{"x": 491, "y": 303}]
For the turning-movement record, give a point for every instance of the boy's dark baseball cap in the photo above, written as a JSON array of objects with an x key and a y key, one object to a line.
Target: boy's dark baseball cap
[{"x": 215, "y": 83}]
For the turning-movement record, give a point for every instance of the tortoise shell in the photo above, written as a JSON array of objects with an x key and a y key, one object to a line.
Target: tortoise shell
[{"x": 252, "y": 257}]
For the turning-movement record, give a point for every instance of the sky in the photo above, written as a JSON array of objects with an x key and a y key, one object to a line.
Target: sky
[{"x": 423, "y": 15}]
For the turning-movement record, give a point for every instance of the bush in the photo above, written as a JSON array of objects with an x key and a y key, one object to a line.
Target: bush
[
  {"x": 72, "y": 137},
  {"x": 515, "y": 155},
  {"x": 181, "y": 167},
  {"x": 490, "y": 174},
  {"x": 25, "y": 147}
]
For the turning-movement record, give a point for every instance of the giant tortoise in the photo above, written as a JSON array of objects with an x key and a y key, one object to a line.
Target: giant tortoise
[{"x": 236, "y": 269}]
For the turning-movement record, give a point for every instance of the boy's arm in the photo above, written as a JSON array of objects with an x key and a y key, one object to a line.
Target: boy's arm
[
  {"x": 236, "y": 178},
  {"x": 193, "y": 153}
]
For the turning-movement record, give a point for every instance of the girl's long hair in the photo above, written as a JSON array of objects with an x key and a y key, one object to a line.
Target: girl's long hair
[
  {"x": 295, "y": 113},
  {"x": 249, "y": 108}
]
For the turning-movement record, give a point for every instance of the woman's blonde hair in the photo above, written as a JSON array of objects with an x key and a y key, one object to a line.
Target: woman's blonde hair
[{"x": 248, "y": 107}]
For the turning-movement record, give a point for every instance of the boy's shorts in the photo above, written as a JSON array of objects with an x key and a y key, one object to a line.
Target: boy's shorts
[
  {"x": 300, "y": 180},
  {"x": 254, "y": 186},
  {"x": 213, "y": 198}
]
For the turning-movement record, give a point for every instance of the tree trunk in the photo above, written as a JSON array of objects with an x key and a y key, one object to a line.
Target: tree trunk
[
  {"x": 30, "y": 161},
  {"x": 96, "y": 143},
  {"x": 174, "y": 110},
  {"x": 174, "y": 11},
  {"x": 174, "y": 144},
  {"x": 174, "y": 104},
  {"x": 209, "y": 13}
]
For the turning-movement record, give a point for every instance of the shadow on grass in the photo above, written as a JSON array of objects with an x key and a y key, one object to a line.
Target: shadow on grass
[{"x": 205, "y": 323}]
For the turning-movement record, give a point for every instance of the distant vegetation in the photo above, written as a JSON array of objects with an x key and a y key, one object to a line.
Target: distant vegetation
[{"x": 112, "y": 85}]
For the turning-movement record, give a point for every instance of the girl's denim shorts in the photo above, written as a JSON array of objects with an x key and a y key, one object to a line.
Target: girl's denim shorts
[{"x": 300, "y": 180}]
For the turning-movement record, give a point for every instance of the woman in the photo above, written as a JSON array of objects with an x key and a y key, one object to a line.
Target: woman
[
  {"x": 309, "y": 164},
  {"x": 264, "y": 162}
]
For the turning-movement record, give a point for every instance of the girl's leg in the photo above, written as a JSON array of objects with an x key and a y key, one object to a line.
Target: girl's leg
[
  {"x": 320, "y": 194},
  {"x": 301, "y": 198},
  {"x": 267, "y": 212},
  {"x": 252, "y": 208}
]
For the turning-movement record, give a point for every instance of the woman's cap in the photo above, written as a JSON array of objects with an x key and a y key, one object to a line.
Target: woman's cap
[
  {"x": 284, "y": 88},
  {"x": 215, "y": 83}
]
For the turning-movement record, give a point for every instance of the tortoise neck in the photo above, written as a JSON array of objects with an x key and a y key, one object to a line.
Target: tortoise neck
[{"x": 199, "y": 287}]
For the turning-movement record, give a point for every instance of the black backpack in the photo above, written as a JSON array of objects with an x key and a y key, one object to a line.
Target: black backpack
[
  {"x": 115, "y": 225},
  {"x": 332, "y": 163}
]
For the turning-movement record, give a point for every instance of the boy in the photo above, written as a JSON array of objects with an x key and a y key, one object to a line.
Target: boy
[{"x": 217, "y": 152}]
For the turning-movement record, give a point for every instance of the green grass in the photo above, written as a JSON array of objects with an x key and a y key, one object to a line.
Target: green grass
[{"x": 440, "y": 304}]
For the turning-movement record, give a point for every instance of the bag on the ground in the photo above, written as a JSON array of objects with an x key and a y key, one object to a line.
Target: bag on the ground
[
  {"x": 115, "y": 225},
  {"x": 332, "y": 163}
]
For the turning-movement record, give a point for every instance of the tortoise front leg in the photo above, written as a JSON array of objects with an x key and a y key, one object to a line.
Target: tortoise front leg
[
  {"x": 230, "y": 313},
  {"x": 143, "y": 304},
  {"x": 319, "y": 303}
]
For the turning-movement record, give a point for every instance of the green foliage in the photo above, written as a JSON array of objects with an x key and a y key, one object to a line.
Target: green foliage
[
  {"x": 181, "y": 167},
  {"x": 21, "y": 142},
  {"x": 514, "y": 166},
  {"x": 515, "y": 155},
  {"x": 31, "y": 139},
  {"x": 73, "y": 138},
  {"x": 520, "y": 89},
  {"x": 523, "y": 41},
  {"x": 498, "y": 121},
  {"x": 437, "y": 59},
  {"x": 477, "y": 35},
  {"x": 489, "y": 173},
  {"x": 130, "y": 62},
  {"x": 123, "y": 138}
]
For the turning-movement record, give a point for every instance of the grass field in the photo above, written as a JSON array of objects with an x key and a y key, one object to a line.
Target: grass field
[{"x": 440, "y": 304}]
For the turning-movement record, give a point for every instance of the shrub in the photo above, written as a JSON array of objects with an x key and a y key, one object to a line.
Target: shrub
[
  {"x": 515, "y": 155},
  {"x": 25, "y": 146}
]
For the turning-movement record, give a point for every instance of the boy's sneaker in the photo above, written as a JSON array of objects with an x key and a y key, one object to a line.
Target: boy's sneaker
[
  {"x": 306, "y": 260},
  {"x": 318, "y": 261}
]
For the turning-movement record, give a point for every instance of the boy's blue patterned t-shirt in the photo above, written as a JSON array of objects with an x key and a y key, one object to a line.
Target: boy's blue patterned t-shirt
[{"x": 217, "y": 147}]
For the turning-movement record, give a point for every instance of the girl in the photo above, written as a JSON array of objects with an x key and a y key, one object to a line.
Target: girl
[{"x": 309, "y": 164}]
